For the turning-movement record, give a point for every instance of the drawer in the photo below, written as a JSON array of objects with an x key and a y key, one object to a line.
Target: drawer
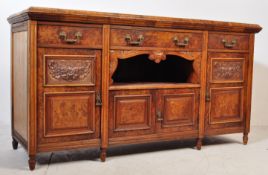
[
  {"x": 67, "y": 35},
  {"x": 228, "y": 41},
  {"x": 138, "y": 37}
]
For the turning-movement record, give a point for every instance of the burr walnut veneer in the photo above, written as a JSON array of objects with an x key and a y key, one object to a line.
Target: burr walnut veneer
[{"x": 85, "y": 79}]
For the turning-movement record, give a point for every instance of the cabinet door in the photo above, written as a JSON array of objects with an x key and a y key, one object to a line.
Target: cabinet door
[
  {"x": 130, "y": 113},
  {"x": 226, "y": 105},
  {"x": 177, "y": 110},
  {"x": 225, "y": 91},
  {"x": 68, "y": 85}
]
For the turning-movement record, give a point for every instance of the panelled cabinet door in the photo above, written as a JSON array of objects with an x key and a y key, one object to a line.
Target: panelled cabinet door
[
  {"x": 131, "y": 113},
  {"x": 177, "y": 110},
  {"x": 226, "y": 105},
  {"x": 69, "y": 83},
  {"x": 226, "y": 90},
  {"x": 69, "y": 113}
]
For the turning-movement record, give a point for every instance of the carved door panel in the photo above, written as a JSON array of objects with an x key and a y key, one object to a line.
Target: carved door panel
[
  {"x": 131, "y": 113},
  {"x": 177, "y": 110},
  {"x": 68, "y": 85},
  {"x": 225, "y": 90}
]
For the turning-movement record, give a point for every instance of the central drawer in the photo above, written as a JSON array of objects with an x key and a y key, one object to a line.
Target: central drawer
[{"x": 147, "y": 37}]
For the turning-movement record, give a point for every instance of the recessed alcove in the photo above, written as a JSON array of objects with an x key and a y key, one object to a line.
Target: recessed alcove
[{"x": 139, "y": 69}]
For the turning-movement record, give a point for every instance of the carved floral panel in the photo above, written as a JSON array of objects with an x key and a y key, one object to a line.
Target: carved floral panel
[
  {"x": 227, "y": 70},
  {"x": 69, "y": 70}
]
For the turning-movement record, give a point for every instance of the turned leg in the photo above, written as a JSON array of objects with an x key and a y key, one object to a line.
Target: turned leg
[
  {"x": 199, "y": 143},
  {"x": 103, "y": 154},
  {"x": 245, "y": 138},
  {"x": 31, "y": 162},
  {"x": 14, "y": 143}
]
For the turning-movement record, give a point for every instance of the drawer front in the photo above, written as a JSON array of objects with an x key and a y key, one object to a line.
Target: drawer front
[
  {"x": 228, "y": 41},
  {"x": 63, "y": 35},
  {"x": 138, "y": 37}
]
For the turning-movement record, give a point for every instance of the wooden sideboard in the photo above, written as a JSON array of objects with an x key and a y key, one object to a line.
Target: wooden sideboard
[{"x": 84, "y": 79}]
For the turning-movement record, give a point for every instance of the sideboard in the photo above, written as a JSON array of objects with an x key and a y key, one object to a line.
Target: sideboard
[{"x": 83, "y": 79}]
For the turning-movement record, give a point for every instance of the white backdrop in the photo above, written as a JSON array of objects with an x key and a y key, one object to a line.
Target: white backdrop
[{"x": 248, "y": 11}]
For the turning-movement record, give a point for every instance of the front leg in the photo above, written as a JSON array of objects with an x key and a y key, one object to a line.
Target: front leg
[
  {"x": 14, "y": 143},
  {"x": 103, "y": 154},
  {"x": 32, "y": 162},
  {"x": 198, "y": 143},
  {"x": 245, "y": 138}
]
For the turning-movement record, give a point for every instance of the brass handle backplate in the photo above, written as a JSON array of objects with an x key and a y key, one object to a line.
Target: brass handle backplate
[
  {"x": 159, "y": 116},
  {"x": 229, "y": 44},
  {"x": 131, "y": 42},
  {"x": 63, "y": 37},
  {"x": 207, "y": 97},
  {"x": 98, "y": 99},
  {"x": 184, "y": 43}
]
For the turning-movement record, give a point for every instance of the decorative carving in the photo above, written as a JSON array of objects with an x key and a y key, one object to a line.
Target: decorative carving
[
  {"x": 157, "y": 56},
  {"x": 227, "y": 70},
  {"x": 188, "y": 55},
  {"x": 124, "y": 54},
  {"x": 69, "y": 70}
]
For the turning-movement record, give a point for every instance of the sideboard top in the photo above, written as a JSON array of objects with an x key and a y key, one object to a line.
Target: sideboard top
[{"x": 81, "y": 16}]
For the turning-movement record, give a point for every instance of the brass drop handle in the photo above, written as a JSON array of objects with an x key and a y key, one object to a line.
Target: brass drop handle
[
  {"x": 184, "y": 43},
  {"x": 229, "y": 44},
  {"x": 159, "y": 116},
  {"x": 63, "y": 37},
  {"x": 131, "y": 42}
]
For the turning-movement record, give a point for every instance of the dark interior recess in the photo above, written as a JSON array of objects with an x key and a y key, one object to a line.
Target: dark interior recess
[{"x": 139, "y": 68}]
